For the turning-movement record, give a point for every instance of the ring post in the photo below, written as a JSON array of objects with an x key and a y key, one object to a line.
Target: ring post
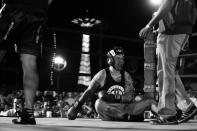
[{"x": 150, "y": 65}]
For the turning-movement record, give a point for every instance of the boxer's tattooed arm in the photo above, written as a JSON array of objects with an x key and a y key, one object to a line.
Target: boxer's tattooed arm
[
  {"x": 94, "y": 85},
  {"x": 128, "y": 82},
  {"x": 129, "y": 89}
]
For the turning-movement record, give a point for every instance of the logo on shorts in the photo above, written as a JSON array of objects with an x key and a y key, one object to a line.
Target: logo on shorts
[{"x": 116, "y": 90}]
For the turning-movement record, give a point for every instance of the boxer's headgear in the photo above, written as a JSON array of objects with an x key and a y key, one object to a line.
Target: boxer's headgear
[{"x": 110, "y": 55}]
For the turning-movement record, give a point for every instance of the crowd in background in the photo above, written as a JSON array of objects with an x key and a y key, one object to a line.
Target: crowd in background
[
  {"x": 47, "y": 104},
  {"x": 51, "y": 103}
]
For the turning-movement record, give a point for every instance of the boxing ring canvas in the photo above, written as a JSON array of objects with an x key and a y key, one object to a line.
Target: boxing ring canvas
[{"x": 63, "y": 124}]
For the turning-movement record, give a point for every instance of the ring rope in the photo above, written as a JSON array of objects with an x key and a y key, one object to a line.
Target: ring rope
[
  {"x": 189, "y": 76},
  {"x": 187, "y": 55}
]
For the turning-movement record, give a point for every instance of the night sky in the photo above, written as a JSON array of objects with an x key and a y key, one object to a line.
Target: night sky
[{"x": 124, "y": 18}]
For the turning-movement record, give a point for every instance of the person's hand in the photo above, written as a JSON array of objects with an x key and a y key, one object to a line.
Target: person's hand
[
  {"x": 145, "y": 32},
  {"x": 72, "y": 113}
]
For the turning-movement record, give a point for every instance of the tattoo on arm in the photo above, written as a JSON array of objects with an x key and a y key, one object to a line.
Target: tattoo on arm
[
  {"x": 95, "y": 84},
  {"x": 128, "y": 82},
  {"x": 129, "y": 89}
]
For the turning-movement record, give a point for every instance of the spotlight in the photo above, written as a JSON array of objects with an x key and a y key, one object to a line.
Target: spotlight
[
  {"x": 59, "y": 63},
  {"x": 155, "y": 2}
]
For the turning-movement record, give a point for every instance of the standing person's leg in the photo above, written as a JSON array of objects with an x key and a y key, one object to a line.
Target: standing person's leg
[
  {"x": 167, "y": 58},
  {"x": 181, "y": 95},
  {"x": 166, "y": 67},
  {"x": 30, "y": 85},
  {"x": 29, "y": 49},
  {"x": 183, "y": 101},
  {"x": 30, "y": 78}
]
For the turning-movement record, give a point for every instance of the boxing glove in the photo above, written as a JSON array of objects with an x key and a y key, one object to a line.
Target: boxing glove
[{"x": 73, "y": 111}]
